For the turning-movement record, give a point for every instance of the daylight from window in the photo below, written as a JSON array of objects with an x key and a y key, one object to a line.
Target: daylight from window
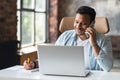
[{"x": 31, "y": 26}]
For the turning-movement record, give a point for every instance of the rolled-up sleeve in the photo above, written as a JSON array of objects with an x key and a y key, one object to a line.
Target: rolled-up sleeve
[{"x": 105, "y": 57}]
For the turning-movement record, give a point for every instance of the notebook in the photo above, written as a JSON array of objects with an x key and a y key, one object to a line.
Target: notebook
[{"x": 61, "y": 60}]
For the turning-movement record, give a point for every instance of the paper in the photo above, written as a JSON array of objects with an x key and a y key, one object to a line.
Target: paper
[{"x": 22, "y": 69}]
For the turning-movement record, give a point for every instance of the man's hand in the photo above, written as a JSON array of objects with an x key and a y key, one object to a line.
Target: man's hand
[
  {"x": 29, "y": 65},
  {"x": 92, "y": 35},
  {"x": 92, "y": 40}
]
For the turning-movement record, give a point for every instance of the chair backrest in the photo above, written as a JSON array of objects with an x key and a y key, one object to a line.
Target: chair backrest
[{"x": 101, "y": 24}]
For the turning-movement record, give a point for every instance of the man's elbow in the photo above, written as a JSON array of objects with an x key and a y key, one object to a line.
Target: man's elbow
[{"x": 108, "y": 68}]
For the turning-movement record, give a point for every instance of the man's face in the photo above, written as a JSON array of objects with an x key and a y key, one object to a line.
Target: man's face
[{"x": 81, "y": 23}]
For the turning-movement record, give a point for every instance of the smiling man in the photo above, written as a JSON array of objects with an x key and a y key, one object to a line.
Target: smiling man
[{"x": 98, "y": 49}]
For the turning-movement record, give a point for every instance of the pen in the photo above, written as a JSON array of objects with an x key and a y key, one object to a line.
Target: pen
[{"x": 28, "y": 60}]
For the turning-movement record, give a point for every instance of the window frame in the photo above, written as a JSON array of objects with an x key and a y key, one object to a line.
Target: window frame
[{"x": 46, "y": 12}]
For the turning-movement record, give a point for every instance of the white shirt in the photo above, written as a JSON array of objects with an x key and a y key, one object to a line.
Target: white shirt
[{"x": 86, "y": 53}]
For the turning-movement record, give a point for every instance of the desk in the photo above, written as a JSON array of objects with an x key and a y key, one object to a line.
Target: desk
[{"x": 14, "y": 73}]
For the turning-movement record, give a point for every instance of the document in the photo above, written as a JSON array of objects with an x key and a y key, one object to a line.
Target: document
[{"x": 21, "y": 68}]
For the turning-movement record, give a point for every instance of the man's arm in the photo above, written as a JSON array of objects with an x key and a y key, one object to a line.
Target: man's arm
[{"x": 105, "y": 57}]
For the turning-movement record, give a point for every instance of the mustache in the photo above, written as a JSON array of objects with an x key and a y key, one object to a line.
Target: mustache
[{"x": 79, "y": 28}]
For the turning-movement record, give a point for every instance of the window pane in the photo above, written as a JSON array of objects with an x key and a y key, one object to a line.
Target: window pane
[
  {"x": 18, "y": 25},
  {"x": 40, "y": 27},
  {"x": 28, "y": 4},
  {"x": 18, "y": 4},
  {"x": 40, "y": 5},
  {"x": 27, "y": 27}
]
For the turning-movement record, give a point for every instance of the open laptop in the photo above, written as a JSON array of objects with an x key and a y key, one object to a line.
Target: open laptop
[{"x": 61, "y": 60}]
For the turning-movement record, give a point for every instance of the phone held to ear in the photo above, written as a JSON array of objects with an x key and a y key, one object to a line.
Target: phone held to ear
[{"x": 91, "y": 25}]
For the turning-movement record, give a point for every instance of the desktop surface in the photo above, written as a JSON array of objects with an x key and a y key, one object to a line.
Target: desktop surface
[{"x": 18, "y": 73}]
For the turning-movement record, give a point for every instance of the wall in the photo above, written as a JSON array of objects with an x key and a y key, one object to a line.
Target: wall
[
  {"x": 108, "y": 8},
  {"x": 8, "y": 20},
  {"x": 53, "y": 22},
  {"x": 8, "y": 30}
]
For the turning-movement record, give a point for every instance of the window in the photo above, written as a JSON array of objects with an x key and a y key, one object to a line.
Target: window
[{"x": 32, "y": 21}]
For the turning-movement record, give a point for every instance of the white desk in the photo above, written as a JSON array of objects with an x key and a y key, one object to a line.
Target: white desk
[{"x": 18, "y": 73}]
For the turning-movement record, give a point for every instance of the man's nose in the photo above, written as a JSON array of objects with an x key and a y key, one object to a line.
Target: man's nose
[{"x": 79, "y": 26}]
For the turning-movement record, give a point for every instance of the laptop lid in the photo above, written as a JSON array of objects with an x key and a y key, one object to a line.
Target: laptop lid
[{"x": 61, "y": 60}]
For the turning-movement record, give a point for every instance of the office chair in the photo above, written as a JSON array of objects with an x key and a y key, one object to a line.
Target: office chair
[{"x": 101, "y": 24}]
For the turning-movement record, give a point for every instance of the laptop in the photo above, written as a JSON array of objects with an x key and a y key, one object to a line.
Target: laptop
[{"x": 61, "y": 60}]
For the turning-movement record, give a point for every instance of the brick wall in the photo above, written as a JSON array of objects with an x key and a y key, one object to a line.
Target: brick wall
[
  {"x": 58, "y": 9},
  {"x": 8, "y": 20},
  {"x": 53, "y": 22},
  {"x": 8, "y": 30}
]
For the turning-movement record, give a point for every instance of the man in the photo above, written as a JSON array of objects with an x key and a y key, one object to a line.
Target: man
[{"x": 98, "y": 49}]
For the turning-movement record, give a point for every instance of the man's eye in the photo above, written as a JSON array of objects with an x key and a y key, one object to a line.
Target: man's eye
[
  {"x": 76, "y": 21},
  {"x": 84, "y": 24}
]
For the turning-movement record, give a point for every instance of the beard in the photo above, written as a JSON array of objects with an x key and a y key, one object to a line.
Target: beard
[{"x": 79, "y": 32}]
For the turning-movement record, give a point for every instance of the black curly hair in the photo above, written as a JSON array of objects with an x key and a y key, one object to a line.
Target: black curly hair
[{"x": 87, "y": 10}]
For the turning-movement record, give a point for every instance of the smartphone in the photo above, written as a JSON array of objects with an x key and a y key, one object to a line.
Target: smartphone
[{"x": 91, "y": 25}]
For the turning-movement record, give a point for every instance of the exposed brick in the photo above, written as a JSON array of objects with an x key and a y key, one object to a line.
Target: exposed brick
[
  {"x": 53, "y": 22},
  {"x": 8, "y": 20}
]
